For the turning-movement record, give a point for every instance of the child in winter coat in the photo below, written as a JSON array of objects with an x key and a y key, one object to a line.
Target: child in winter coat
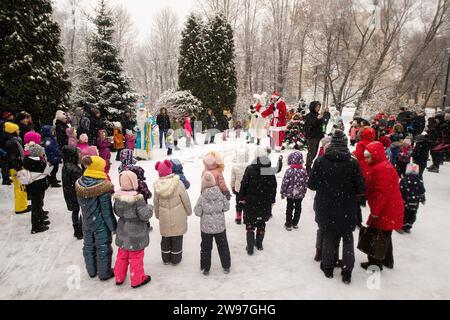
[
  {"x": 130, "y": 140},
  {"x": 71, "y": 172},
  {"x": 94, "y": 196},
  {"x": 238, "y": 129},
  {"x": 177, "y": 168},
  {"x": 170, "y": 141},
  {"x": 188, "y": 131},
  {"x": 172, "y": 207},
  {"x": 83, "y": 142},
  {"x": 210, "y": 208},
  {"x": 237, "y": 173},
  {"x": 214, "y": 163},
  {"x": 72, "y": 140},
  {"x": 404, "y": 157},
  {"x": 294, "y": 187},
  {"x": 396, "y": 142},
  {"x": 352, "y": 132},
  {"x": 39, "y": 169},
  {"x": 420, "y": 153},
  {"x": 104, "y": 145},
  {"x": 413, "y": 192},
  {"x": 132, "y": 235},
  {"x": 119, "y": 139},
  {"x": 258, "y": 191},
  {"x": 128, "y": 162},
  {"x": 30, "y": 138},
  {"x": 53, "y": 153}
]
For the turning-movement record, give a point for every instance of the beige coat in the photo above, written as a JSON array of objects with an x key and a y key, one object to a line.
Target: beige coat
[
  {"x": 237, "y": 173},
  {"x": 171, "y": 205}
]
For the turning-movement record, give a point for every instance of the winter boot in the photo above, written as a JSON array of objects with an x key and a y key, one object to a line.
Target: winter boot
[
  {"x": 39, "y": 228},
  {"x": 250, "y": 242},
  {"x": 288, "y": 227},
  {"x": 205, "y": 272},
  {"x": 328, "y": 272},
  {"x": 146, "y": 281},
  {"x": 318, "y": 256},
  {"x": 109, "y": 277},
  {"x": 238, "y": 217},
  {"x": 259, "y": 240},
  {"x": 346, "y": 277},
  {"x": 226, "y": 270}
]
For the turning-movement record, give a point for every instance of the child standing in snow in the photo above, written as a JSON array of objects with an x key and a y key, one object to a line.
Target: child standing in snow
[
  {"x": 294, "y": 187},
  {"x": 130, "y": 140},
  {"x": 132, "y": 231},
  {"x": 172, "y": 207},
  {"x": 83, "y": 142},
  {"x": 119, "y": 139},
  {"x": 404, "y": 157},
  {"x": 177, "y": 168},
  {"x": 413, "y": 192},
  {"x": 169, "y": 142},
  {"x": 213, "y": 163},
  {"x": 353, "y": 131},
  {"x": 238, "y": 129},
  {"x": 53, "y": 153},
  {"x": 210, "y": 208},
  {"x": 237, "y": 173},
  {"x": 71, "y": 137},
  {"x": 188, "y": 131},
  {"x": 71, "y": 172},
  {"x": 104, "y": 145}
]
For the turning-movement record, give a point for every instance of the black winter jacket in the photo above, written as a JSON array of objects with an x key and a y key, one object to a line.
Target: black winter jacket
[
  {"x": 313, "y": 125},
  {"x": 37, "y": 187},
  {"x": 163, "y": 122},
  {"x": 413, "y": 190},
  {"x": 420, "y": 152},
  {"x": 61, "y": 135},
  {"x": 210, "y": 122},
  {"x": 71, "y": 172},
  {"x": 14, "y": 151},
  {"x": 336, "y": 177}
]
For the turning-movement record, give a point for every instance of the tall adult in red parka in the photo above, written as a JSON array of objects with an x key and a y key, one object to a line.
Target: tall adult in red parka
[
  {"x": 385, "y": 200},
  {"x": 278, "y": 123}
]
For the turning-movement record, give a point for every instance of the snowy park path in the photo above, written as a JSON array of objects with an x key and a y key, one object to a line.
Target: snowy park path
[{"x": 50, "y": 265}]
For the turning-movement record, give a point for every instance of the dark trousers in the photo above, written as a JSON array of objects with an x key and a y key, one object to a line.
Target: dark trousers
[
  {"x": 293, "y": 212},
  {"x": 5, "y": 171},
  {"x": 162, "y": 134},
  {"x": 222, "y": 247},
  {"x": 422, "y": 167},
  {"x": 76, "y": 219},
  {"x": 409, "y": 218},
  {"x": 118, "y": 154},
  {"x": 37, "y": 210},
  {"x": 330, "y": 249},
  {"x": 260, "y": 228},
  {"x": 97, "y": 251},
  {"x": 313, "y": 148},
  {"x": 437, "y": 158},
  {"x": 172, "y": 249},
  {"x": 239, "y": 205},
  {"x": 52, "y": 177},
  {"x": 389, "y": 259},
  {"x": 401, "y": 168},
  {"x": 169, "y": 151}
]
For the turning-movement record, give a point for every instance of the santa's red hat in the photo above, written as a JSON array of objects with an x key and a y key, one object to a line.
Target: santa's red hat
[{"x": 276, "y": 95}]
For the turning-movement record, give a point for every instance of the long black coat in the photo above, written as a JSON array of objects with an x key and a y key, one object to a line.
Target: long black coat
[
  {"x": 71, "y": 172},
  {"x": 61, "y": 135},
  {"x": 336, "y": 177},
  {"x": 258, "y": 190},
  {"x": 313, "y": 125},
  {"x": 420, "y": 152},
  {"x": 418, "y": 125}
]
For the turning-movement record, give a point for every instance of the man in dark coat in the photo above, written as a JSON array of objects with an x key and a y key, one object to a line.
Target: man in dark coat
[
  {"x": 163, "y": 122},
  {"x": 60, "y": 127},
  {"x": 418, "y": 124},
  {"x": 210, "y": 124},
  {"x": 258, "y": 192},
  {"x": 313, "y": 132},
  {"x": 6, "y": 117},
  {"x": 337, "y": 180},
  {"x": 24, "y": 121}
]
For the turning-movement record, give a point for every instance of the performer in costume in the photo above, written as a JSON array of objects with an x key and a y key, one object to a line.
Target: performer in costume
[
  {"x": 257, "y": 122},
  {"x": 278, "y": 110},
  {"x": 143, "y": 133}
]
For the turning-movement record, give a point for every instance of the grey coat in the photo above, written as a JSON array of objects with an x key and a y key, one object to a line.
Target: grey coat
[
  {"x": 132, "y": 228},
  {"x": 210, "y": 208}
]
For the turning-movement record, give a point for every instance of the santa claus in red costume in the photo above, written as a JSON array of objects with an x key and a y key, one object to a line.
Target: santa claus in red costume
[{"x": 278, "y": 111}]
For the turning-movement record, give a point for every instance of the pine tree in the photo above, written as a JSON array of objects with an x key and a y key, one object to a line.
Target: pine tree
[
  {"x": 105, "y": 84},
  {"x": 295, "y": 133},
  {"x": 32, "y": 75}
]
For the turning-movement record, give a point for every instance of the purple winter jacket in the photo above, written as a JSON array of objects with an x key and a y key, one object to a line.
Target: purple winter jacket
[
  {"x": 103, "y": 147},
  {"x": 295, "y": 181}
]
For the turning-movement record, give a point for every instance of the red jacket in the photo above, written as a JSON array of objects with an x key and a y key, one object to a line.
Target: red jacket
[
  {"x": 383, "y": 191},
  {"x": 367, "y": 137},
  {"x": 279, "y": 112}
]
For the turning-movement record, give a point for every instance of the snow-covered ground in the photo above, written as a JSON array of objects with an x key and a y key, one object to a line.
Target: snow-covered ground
[{"x": 50, "y": 265}]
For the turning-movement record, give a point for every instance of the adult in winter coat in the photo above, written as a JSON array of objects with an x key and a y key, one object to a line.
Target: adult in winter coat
[
  {"x": 127, "y": 121},
  {"x": 94, "y": 196},
  {"x": 132, "y": 231},
  {"x": 53, "y": 153},
  {"x": 6, "y": 117},
  {"x": 60, "y": 128},
  {"x": 210, "y": 207},
  {"x": 14, "y": 160},
  {"x": 172, "y": 207},
  {"x": 338, "y": 182},
  {"x": 294, "y": 188},
  {"x": 210, "y": 124},
  {"x": 418, "y": 124},
  {"x": 313, "y": 132},
  {"x": 95, "y": 126},
  {"x": 384, "y": 198},
  {"x": 420, "y": 153},
  {"x": 258, "y": 192},
  {"x": 71, "y": 172},
  {"x": 25, "y": 123},
  {"x": 163, "y": 122}
]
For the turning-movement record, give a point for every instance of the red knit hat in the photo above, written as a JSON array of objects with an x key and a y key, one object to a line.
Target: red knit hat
[{"x": 164, "y": 168}]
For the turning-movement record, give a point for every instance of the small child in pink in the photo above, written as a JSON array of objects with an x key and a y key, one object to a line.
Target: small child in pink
[
  {"x": 31, "y": 138},
  {"x": 132, "y": 233},
  {"x": 188, "y": 131},
  {"x": 130, "y": 140},
  {"x": 83, "y": 143},
  {"x": 70, "y": 132}
]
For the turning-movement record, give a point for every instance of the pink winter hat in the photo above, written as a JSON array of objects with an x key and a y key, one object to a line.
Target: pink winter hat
[
  {"x": 128, "y": 181},
  {"x": 208, "y": 180},
  {"x": 164, "y": 168},
  {"x": 84, "y": 138},
  {"x": 90, "y": 151},
  {"x": 32, "y": 136}
]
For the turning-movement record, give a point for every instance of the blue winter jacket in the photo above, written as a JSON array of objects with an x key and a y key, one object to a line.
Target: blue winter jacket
[
  {"x": 52, "y": 150},
  {"x": 177, "y": 169}
]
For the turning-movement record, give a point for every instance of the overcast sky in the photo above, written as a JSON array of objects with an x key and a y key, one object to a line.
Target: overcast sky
[{"x": 142, "y": 11}]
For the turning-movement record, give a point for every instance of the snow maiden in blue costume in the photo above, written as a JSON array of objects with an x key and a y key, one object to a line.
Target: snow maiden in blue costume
[{"x": 143, "y": 134}]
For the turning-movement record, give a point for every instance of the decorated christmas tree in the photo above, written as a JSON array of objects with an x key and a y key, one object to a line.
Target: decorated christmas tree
[{"x": 295, "y": 133}]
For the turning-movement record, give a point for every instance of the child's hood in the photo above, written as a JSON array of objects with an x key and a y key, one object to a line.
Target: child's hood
[
  {"x": 70, "y": 154},
  {"x": 212, "y": 194},
  {"x": 126, "y": 200},
  {"x": 165, "y": 186}
]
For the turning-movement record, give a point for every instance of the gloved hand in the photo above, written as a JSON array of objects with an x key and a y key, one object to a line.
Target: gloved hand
[
  {"x": 227, "y": 195},
  {"x": 234, "y": 191}
]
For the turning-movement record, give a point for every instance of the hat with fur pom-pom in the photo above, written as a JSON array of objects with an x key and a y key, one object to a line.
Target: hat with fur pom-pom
[{"x": 164, "y": 168}]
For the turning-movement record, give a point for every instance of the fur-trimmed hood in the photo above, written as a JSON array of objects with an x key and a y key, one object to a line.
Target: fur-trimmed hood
[
  {"x": 166, "y": 186},
  {"x": 128, "y": 197},
  {"x": 87, "y": 187}
]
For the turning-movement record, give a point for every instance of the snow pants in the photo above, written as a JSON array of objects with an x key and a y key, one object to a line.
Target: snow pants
[
  {"x": 293, "y": 212},
  {"x": 330, "y": 249},
  {"x": 172, "y": 249},
  {"x": 222, "y": 247},
  {"x": 409, "y": 218},
  {"x": 136, "y": 261},
  {"x": 97, "y": 251},
  {"x": 20, "y": 194}
]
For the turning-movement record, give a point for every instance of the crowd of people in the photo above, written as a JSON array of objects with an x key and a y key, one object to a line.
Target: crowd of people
[{"x": 385, "y": 172}]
